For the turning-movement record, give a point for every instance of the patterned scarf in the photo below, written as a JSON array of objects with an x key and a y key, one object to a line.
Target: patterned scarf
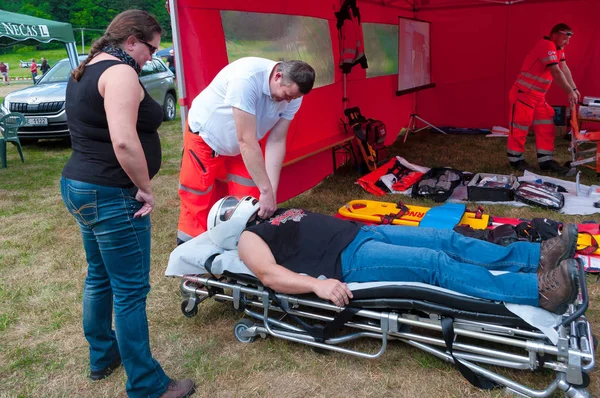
[{"x": 123, "y": 56}]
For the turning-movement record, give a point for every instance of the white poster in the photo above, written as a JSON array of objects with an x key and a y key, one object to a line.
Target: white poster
[{"x": 414, "y": 58}]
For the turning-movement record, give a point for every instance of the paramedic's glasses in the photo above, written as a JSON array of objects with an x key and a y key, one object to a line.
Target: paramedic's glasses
[
  {"x": 150, "y": 46},
  {"x": 566, "y": 33}
]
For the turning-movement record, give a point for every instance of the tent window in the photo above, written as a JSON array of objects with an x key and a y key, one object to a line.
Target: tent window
[
  {"x": 381, "y": 48},
  {"x": 280, "y": 37}
]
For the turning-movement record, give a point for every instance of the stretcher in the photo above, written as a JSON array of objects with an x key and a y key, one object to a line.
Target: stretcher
[
  {"x": 477, "y": 336},
  {"x": 375, "y": 212}
]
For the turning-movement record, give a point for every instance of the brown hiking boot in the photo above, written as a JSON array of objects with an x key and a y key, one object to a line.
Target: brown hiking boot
[
  {"x": 179, "y": 389},
  {"x": 558, "y": 287},
  {"x": 557, "y": 249}
]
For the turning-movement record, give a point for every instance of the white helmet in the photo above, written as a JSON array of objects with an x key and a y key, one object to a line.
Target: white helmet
[
  {"x": 231, "y": 207},
  {"x": 228, "y": 218}
]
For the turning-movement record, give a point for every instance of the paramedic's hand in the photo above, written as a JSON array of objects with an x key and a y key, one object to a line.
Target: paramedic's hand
[
  {"x": 573, "y": 98},
  {"x": 267, "y": 204},
  {"x": 334, "y": 291},
  {"x": 579, "y": 96},
  {"x": 147, "y": 198}
]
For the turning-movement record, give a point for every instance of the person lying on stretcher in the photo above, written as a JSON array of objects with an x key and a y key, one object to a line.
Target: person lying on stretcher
[{"x": 291, "y": 250}]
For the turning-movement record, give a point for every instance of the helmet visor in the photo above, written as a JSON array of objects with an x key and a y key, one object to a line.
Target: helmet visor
[{"x": 227, "y": 208}]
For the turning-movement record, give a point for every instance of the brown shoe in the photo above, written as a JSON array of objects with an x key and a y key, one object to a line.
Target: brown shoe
[
  {"x": 179, "y": 389},
  {"x": 558, "y": 287},
  {"x": 557, "y": 249}
]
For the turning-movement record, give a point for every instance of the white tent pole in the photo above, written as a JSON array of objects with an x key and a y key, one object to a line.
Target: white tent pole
[
  {"x": 82, "y": 48},
  {"x": 179, "y": 60}
]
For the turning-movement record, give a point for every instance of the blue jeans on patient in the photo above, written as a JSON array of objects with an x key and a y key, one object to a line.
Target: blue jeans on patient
[
  {"x": 117, "y": 248},
  {"x": 443, "y": 258}
]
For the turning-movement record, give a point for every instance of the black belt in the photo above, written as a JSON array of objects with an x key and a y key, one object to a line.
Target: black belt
[{"x": 214, "y": 153}]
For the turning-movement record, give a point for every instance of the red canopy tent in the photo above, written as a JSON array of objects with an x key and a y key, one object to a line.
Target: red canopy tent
[{"x": 477, "y": 47}]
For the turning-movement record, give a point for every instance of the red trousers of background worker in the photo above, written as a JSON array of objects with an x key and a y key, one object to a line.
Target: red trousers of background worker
[
  {"x": 206, "y": 177},
  {"x": 527, "y": 110}
]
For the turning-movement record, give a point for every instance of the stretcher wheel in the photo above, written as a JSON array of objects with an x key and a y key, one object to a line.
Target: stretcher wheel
[
  {"x": 189, "y": 313},
  {"x": 241, "y": 326}
]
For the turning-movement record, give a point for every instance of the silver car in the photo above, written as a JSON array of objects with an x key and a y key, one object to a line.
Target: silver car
[{"x": 43, "y": 104}]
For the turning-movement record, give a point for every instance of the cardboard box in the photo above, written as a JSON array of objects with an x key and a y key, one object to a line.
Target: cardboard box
[{"x": 589, "y": 112}]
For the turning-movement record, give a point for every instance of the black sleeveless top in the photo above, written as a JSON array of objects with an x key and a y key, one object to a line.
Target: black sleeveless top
[
  {"x": 93, "y": 159},
  {"x": 307, "y": 242}
]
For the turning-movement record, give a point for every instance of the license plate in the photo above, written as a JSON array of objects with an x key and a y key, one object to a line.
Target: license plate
[{"x": 37, "y": 121}]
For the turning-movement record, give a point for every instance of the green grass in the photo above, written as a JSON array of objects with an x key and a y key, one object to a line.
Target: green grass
[
  {"x": 42, "y": 269},
  {"x": 13, "y": 58},
  {"x": 53, "y": 56}
]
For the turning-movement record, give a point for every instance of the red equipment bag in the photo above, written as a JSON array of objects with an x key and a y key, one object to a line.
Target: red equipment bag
[{"x": 375, "y": 133}]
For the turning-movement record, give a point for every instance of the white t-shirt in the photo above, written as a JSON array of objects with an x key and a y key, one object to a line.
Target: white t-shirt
[{"x": 243, "y": 84}]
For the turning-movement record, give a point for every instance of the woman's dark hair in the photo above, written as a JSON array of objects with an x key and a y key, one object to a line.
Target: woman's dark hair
[
  {"x": 558, "y": 27},
  {"x": 137, "y": 23}
]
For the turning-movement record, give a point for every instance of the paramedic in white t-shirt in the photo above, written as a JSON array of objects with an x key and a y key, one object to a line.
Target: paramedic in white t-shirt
[{"x": 221, "y": 151}]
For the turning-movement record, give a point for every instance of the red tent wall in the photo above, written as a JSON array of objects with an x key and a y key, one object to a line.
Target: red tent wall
[
  {"x": 477, "y": 53},
  {"x": 318, "y": 122}
]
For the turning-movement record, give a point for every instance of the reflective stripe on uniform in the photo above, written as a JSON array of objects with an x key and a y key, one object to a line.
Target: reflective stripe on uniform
[
  {"x": 544, "y": 155},
  {"x": 183, "y": 236},
  {"x": 539, "y": 79},
  {"x": 548, "y": 59},
  {"x": 531, "y": 86},
  {"x": 544, "y": 121},
  {"x": 194, "y": 191},
  {"x": 247, "y": 182},
  {"x": 520, "y": 126},
  {"x": 514, "y": 156}
]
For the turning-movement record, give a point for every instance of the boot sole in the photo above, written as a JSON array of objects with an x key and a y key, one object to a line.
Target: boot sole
[
  {"x": 570, "y": 253},
  {"x": 574, "y": 279},
  {"x": 573, "y": 244}
]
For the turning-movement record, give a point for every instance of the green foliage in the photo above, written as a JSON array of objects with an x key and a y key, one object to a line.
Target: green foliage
[
  {"x": 25, "y": 49},
  {"x": 89, "y": 14}
]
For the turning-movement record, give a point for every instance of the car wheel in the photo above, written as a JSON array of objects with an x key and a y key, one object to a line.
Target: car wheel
[{"x": 169, "y": 107}]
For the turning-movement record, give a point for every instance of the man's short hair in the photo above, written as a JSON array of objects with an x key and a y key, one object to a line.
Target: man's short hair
[
  {"x": 298, "y": 72},
  {"x": 561, "y": 26}
]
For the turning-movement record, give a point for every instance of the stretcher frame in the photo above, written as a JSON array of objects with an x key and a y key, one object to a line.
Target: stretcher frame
[{"x": 274, "y": 314}]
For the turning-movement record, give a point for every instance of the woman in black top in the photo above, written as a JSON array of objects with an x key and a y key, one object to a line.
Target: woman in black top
[
  {"x": 106, "y": 186},
  {"x": 45, "y": 66}
]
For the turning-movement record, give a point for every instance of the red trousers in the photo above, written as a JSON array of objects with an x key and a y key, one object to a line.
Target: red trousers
[
  {"x": 527, "y": 110},
  {"x": 206, "y": 177}
]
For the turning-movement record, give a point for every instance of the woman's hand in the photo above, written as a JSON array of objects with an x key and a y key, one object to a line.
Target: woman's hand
[{"x": 147, "y": 198}]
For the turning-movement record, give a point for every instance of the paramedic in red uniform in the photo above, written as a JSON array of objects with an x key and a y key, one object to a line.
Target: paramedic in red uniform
[
  {"x": 221, "y": 151},
  {"x": 545, "y": 63}
]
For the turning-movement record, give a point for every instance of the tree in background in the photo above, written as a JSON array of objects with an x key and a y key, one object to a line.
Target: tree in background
[{"x": 90, "y": 14}]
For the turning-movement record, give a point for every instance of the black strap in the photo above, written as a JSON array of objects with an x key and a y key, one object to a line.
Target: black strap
[
  {"x": 318, "y": 332},
  {"x": 339, "y": 321},
  {"x": 473, "y": 378}
]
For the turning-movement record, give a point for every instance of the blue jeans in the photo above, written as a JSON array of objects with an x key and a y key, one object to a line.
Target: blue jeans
[
  {"x": 117, "y": 248},
  {"x": 443, "y": 258}
]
